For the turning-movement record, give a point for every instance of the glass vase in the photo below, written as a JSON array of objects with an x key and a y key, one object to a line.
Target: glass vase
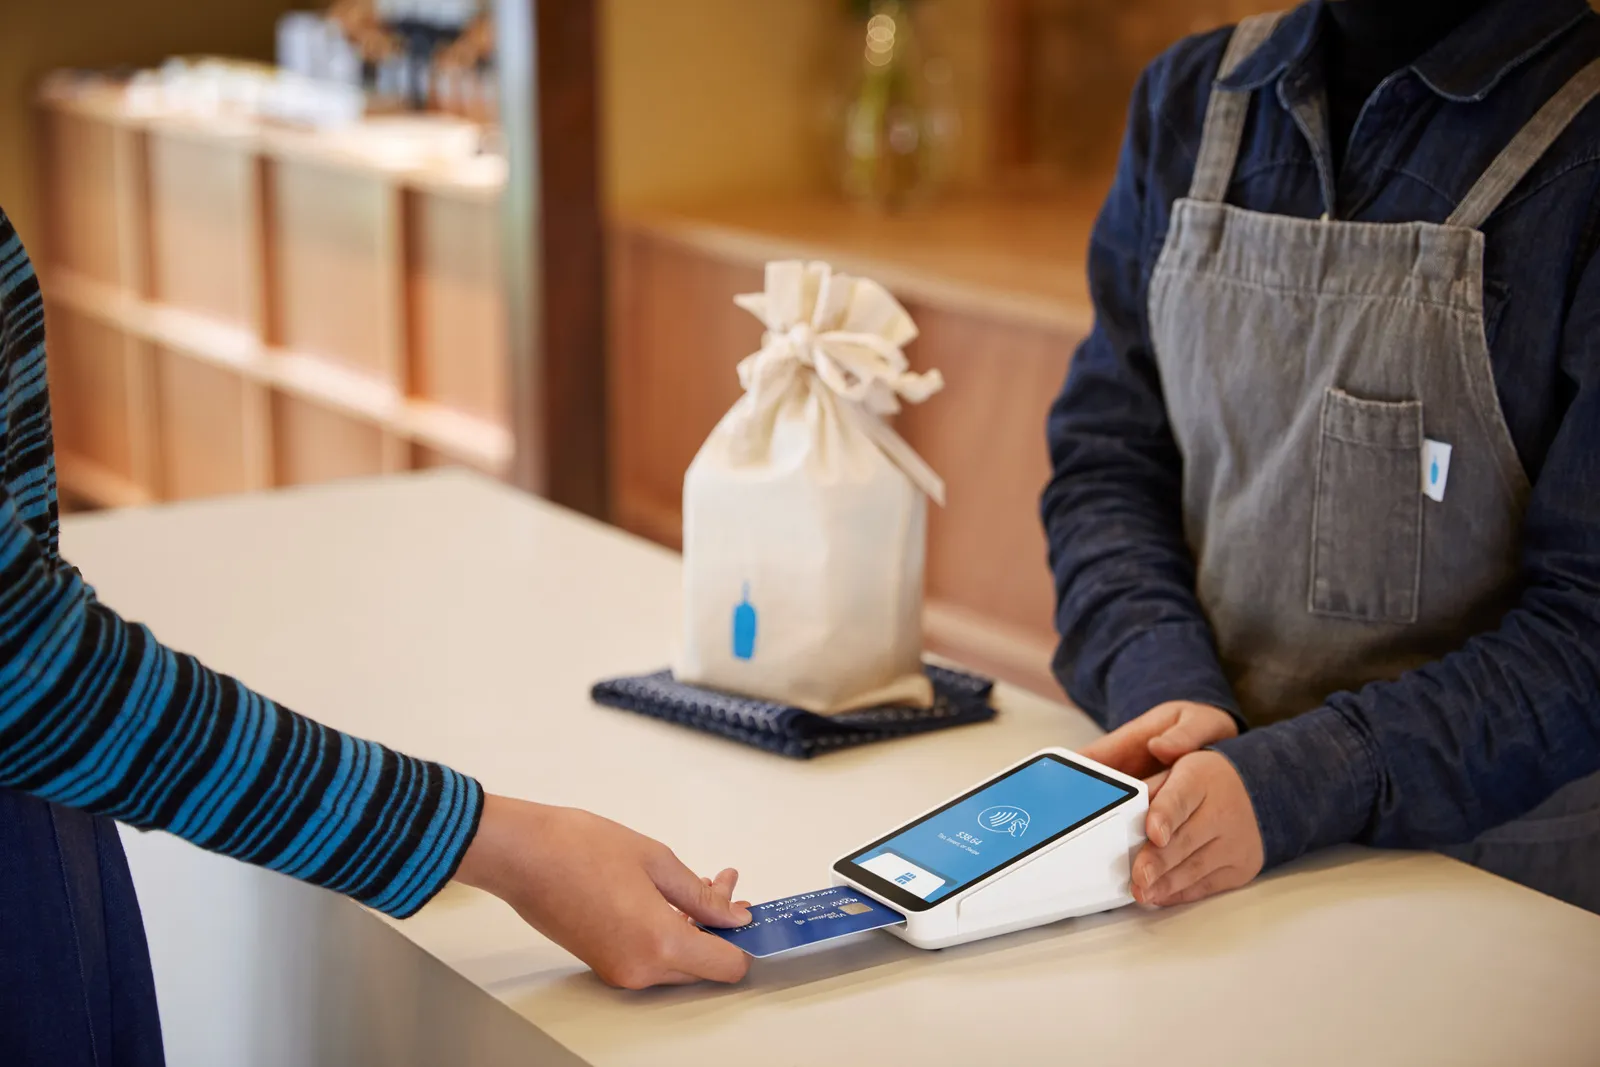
[{"x": 894, "y": 119}]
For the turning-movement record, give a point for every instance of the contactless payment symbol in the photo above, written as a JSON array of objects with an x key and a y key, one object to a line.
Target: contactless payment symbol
[
  {"x": 1004, "y": 819},
  {"x": 744, "y": 626}
]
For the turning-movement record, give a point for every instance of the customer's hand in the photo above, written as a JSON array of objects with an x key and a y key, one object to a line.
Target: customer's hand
[
  {"x": 1161, "y": 736},
  {"x": 1202, "y": 831},
  {"x": 617, "y": 900}
]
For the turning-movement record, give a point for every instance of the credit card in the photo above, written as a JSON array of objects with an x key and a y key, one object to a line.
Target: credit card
[{"x": 808, "y": 919}]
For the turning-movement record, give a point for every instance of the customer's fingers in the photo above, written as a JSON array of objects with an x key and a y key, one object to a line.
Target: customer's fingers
[
  {"x": 700, "y": 955},
  {"x": 723, "y": 884},
  {"x": 689, "y": 893}
]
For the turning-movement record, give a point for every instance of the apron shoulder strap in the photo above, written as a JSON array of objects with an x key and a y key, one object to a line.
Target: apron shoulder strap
[
  {"x": 1526, "y": 148},
  {"x": 1226, "y": 111}
]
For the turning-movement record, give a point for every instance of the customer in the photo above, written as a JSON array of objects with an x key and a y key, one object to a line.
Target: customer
[
  {"x": 98, "y": 720},
  {"x": 1327, "y": 466}
]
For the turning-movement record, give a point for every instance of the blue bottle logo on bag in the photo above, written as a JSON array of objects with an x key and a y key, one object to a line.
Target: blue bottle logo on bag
[{"x": 744, "y": 626}]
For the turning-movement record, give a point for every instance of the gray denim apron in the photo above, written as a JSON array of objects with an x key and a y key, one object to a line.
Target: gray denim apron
[{"x": 1306, "y": 365}]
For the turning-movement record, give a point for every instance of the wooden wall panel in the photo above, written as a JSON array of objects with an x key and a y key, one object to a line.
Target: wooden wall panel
[
  {"x": 334, "y": 244},
  {"x": 213, "y": 440},
  {"x": 985, "y": 434},
  {"x": 676, "y": 341},
  {"x": 988, "y": 583},
  {"x": 458, "y": 330},
  {"x": 312, "y": 443},
  {"x": 203, "y": 218}
]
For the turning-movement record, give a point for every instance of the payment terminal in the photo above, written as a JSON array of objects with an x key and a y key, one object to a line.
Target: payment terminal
[{"x": 1049, "y": 838}]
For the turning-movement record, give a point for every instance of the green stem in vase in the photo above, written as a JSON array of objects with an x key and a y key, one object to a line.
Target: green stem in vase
[{"x": 877, "y": 169}]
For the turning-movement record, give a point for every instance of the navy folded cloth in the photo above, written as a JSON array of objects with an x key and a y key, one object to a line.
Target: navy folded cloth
[{"x": 958, "y": 698}]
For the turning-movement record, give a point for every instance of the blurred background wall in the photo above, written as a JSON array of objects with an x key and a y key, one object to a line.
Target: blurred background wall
[
  {"x": 243, "y": 297},
  {"x": 699, "y": 139},
  {"x": 39, "y": 37},
  {"x": 742, "y": 112}
]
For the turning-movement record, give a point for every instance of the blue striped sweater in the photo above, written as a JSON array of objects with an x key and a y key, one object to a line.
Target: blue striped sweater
[{"x": 96, "y": 714}]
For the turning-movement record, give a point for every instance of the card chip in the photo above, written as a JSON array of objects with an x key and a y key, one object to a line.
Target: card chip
[{"x": 855, "y": 909}]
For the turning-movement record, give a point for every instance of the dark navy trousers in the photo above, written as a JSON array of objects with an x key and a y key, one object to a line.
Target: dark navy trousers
[{"x": 75, "y": 982}]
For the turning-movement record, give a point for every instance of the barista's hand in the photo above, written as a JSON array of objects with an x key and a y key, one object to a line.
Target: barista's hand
[
  {"x": 617, "y": 900},
  {"x": 1202, "y": 830},
  {"x": 1161, "y": 736}
]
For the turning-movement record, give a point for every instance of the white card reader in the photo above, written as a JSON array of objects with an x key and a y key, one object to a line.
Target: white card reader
[{"x": 1049, "y": 838}]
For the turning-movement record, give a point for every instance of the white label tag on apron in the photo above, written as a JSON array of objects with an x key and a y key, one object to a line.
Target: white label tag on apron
[{"x": 1435, "y": 468}]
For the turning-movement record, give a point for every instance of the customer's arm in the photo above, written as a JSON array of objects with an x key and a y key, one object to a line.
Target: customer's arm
[
  {"x": 96, "y": 714},
  {"x": 1132, "y": 632}
]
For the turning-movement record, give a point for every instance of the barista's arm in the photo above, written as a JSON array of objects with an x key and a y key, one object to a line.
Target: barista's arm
[
  {"x": 1486, "y": 733},
  {"x": 1132, "y": 632}
]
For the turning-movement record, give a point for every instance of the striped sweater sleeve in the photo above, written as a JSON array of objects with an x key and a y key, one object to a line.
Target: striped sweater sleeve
[{"x": 96, "y": 714}]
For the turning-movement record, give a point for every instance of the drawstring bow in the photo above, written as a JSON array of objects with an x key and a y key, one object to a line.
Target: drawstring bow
[{"x": 848, "y": 332}]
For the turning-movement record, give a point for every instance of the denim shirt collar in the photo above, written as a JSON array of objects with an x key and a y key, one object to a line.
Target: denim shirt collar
[{"x": 1465, "y": 66}]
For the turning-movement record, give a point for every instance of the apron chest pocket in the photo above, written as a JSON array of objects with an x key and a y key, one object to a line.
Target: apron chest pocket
[{"x": 1366, "y": 549}]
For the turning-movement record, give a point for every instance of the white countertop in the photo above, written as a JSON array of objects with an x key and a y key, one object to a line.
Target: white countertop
[{"x": 455, "y": 619}]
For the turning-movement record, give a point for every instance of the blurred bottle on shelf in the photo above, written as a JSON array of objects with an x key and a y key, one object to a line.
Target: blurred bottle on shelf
[
  {"x": 408, "y": 55},
  {"x": 317, "y": 48},
  {"x": 893, "y": 116},
  {"x": 464, "y": 74}
]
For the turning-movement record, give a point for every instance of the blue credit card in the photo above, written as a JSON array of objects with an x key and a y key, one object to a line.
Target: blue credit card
[{"x": 808, "y": 919}]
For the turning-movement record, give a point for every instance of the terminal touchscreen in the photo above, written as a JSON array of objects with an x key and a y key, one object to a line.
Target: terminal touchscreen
[{"x": 973, "y": 854}]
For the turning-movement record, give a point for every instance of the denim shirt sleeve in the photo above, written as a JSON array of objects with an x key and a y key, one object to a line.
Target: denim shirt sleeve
[
  {"x": 1487, "y": 732},
  {"x": 1132, "y": 631}
]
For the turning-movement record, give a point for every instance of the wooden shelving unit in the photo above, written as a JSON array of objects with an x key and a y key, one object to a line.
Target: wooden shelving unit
[
  {"x": 997, "y": 288},
  {"x": 233, "y": 306}
]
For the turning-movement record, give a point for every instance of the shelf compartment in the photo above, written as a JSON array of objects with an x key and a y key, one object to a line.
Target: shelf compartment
[
  {"x": 333, "y": 250},
  {"x": 315, "y": 443},
  {"x": 476, "y": 442},
  {"x": 213, "y": 436},
  {"x": 100, "y": 413},
  {"x": 220, "y": 283},
  {"x": 84, "y": 157},
  {"x": 204, "y": 226},
  {"x": 453, "y": 301}
]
